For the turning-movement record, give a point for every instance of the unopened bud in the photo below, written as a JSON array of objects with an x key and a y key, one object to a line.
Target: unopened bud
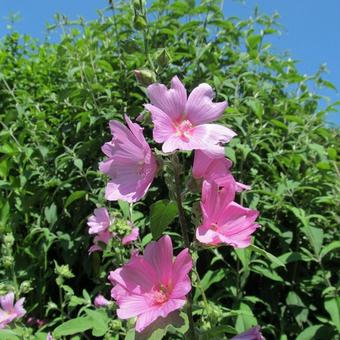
[
  {"x": 8, "y": 261},
  {"x": 9, "y": 240},
  {"x": 139, "y": 22},
  {"x": 145, "y": 77},
  {"x": 63, "y": 271},
  {"x": 162, "y": 57},
  {"x": 138, "y": 5},
  {"x": 25, "y": 287}
]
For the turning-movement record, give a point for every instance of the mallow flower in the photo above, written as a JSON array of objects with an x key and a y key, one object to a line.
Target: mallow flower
[
  {"x": 224, "y": 221},
  {"x": 251, "y": 334},
  {"x": 210, "y": 167},
  {"x": 10, "y": 311},
  {"x": 101, "y": 301},
  {"x": 130, "y": 163},
  {"x": 152, "y": 285},
  {"x": 182, "y": 123}
]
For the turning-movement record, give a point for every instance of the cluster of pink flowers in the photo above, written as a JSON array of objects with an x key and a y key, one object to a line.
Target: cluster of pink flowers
[
  {"x": 99, "y": 224},
  {"x": 152, "y": 285},
  {"x": 10, "y": 311}
]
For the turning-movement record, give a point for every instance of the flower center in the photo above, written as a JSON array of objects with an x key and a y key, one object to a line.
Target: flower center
[
  {"x": 161, "y": 294},
  {"x": 184, "y": 129},
  {"x": 214, "y": 226}
]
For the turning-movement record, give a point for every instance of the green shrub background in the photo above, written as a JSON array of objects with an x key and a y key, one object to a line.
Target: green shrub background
[{"x": 55, "y": 103}]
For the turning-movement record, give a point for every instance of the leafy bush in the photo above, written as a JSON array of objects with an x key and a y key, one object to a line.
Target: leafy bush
[{"x": 56, "y": 100}]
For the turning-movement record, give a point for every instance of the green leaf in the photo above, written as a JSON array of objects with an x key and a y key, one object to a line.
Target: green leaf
[
  {"x": 162, "y": 213},
  {"x": 100, "y": 321},
  {"x": 270, "y": 274},
  {"x": 210, "y": 277},
  {"x": 315, "y": 237},
  {"x": 273, "y": 259},
  {"x": 329, "y": 247},
  {"x": 51, "y": 214},
  {"x": 124, "y": 207},
  {"x": 245, "y": 319},
  {"x": 309, "y": 333},
  {"x": 297, "y": 307},
  {"x": 7, "y": 334},
  {"x": 332, "y": 306},
  {"x": 76, "y": 195},
  {"x": 74, "y": 326}
]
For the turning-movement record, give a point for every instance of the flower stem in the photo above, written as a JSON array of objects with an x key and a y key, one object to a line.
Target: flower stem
[{"x": 185, "y": 234}]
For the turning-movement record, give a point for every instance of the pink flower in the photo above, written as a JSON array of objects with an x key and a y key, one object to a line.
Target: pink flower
[
  {"x": 224, "y": 221},
  {"x": 9, "y": 311},
  {"x": 153, "y": 285},
  {"x": 99, "y": 224},
  {"x": 49, "y": 336},
  {"x": 102, "y": 237},
  {"x": 214, "y": 167},
  {"x": 100, "y": 221},
  {"x": 251, "y": 334},
  {"x": 181, "y": 123},
  {"x": 130, "y": 163},
  {"x": 100, "y": 301},
  {"x": 131, "y": 237}
]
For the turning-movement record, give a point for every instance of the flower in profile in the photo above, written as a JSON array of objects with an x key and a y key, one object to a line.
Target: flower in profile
[
  {"x": 99, "y": 221},
  {"x": 224, "y": 221},
  {"x": 181, "y": 122},
  {"x": 216, "y": 168},
  {"x": 100, "y": 301},
  {"x": 152, "y": 285},
  {"x": 130, "y": 163},
  {"x": 99, "y": 224},
  {"x": 251, "y": 334},
  {"x": 132, "y": 236},
  {"x": 10, "y": 311}
]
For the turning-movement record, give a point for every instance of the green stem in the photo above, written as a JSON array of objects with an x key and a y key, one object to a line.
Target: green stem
[
  {"x": 185, "y": 234},
  {"x": 61, "y": 301},
  {"x": 204, "y": 297}
]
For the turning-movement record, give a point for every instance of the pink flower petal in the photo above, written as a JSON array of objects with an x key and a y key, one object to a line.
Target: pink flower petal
[
  {"x": 131, "y": 237},
  {"x": 200, "y": 109},
  {"x": 163, "y": 126},
  {"x": 159, "y": 255},
  {"x": 171, "y": 102}
]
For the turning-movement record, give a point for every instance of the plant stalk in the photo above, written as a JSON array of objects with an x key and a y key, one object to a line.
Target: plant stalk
[{"x": 185, "y": 234}]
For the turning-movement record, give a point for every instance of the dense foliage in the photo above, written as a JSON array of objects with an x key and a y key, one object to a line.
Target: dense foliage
[{"x": 55, "y": 103}]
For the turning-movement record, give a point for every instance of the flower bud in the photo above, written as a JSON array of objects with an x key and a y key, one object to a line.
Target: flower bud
[
  {"x": 8, "y": 261},
  {"x": 9, "y": 240},
  {"x": 162, "y": 57},
  {"x": 139, "y": 22},
  {"x": 100, "y": 301},
  {"x": 138, "y": 5},
  {"x": 145, "y": 77},
  {"x": 63, "y": 271},
  {"x": 25, "y": 287}
]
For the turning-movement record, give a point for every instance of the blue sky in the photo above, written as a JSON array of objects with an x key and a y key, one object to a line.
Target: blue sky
[{"x": 311, "y": 28}]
